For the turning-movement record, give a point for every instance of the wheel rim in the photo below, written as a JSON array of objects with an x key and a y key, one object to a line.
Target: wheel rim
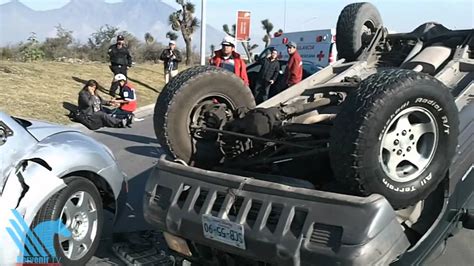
[
  {"x": 368, "y": 30},
  {"x": 195, "y": 112},
  {"x": 409, "y": 144},
  {"x": 79, "y": 214}
]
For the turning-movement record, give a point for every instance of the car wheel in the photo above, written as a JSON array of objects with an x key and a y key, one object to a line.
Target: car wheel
[
  {"x": 180, "y": 107},
  {"x": 355, "y": 28},
  {"x": 78, "y": 208},
  {"x": 395, "y": 136}
]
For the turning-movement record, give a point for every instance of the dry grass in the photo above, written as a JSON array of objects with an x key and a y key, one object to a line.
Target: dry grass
[{"x": 38, "y": 90}]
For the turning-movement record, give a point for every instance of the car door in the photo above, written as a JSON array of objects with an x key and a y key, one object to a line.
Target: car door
[{"x": 15, "y": 142}]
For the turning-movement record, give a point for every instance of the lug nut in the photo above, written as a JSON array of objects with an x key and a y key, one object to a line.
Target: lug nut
[
  {"x": 404, "y": 132},
  {"x": 399, "y": 152},
  {"x": 412, "y": 137},
  {"x": 396, "y": 142},
  {"x": 408, "y": 149}
]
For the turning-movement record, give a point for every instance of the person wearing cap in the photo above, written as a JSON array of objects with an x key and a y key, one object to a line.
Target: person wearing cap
[
  {"x": 127, "y": 99},
  {"x": 294, "y": 70},
  {"x": 120, "y": 58},
  {"x": 267, "y": 76},
  {"x": 228, "y": 58},
  {"x": 171, "y": 57}
]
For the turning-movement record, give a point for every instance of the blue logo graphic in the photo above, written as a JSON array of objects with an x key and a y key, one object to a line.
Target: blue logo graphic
[{"x": 36, "y": 245}]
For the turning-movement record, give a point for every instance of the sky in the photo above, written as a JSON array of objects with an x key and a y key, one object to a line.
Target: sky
[{"x": 299, "y": 15}]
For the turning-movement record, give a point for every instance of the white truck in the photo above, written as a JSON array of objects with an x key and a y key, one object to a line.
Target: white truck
[{"x": 315, "y": 46}]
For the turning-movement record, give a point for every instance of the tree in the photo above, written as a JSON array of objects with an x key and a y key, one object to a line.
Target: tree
[
  {"x": 100, "y": 41},
  {"x": 149, "y": 39},
  {"x": 31, "y": 51},
  {"x": 58, "y": 46},
  {"x": 183, "y": 20},
  {"x": 267, "y": 27},
  {"x": 246, "y": 45},
  {"x": 172, "y": 35}
]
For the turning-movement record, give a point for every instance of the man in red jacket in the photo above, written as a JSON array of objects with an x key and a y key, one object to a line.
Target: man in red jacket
[
  {"x": 228, "y": 59},
  {"x": 294, "y": 70}
]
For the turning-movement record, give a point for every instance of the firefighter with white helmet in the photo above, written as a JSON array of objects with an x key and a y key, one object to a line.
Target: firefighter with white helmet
[{"x": 228, "y": 58}]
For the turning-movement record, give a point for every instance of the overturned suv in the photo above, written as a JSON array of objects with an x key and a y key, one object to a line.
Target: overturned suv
[{"x": 366, "y": 162}]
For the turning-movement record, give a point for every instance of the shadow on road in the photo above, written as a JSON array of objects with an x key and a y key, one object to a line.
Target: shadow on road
[
  {"x": 149, "y": 151},
  {"x": 129, "y": 137},
  {"x": 131, "y": 218}
]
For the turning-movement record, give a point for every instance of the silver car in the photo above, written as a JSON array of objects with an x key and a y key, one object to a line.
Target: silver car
[{"x": 55, "y": 184}]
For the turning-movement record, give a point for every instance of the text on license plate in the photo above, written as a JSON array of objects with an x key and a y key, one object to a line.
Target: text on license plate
[{"x": 223, "y": 231}]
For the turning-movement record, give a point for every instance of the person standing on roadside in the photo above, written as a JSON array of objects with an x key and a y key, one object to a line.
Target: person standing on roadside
[
  {"x": 227, "y": 58},
  {"x": 267, "y": 76},
  {"x": 120, "y": 60},
  {"x": 294, "y": 70},
  {"x": 171, "y": 57}
]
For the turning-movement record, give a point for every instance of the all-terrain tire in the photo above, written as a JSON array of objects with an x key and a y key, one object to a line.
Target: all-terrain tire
[
  {"x": 373, "y": 114},
  {"x": 175, "y": 105},
  {"x": 53, "y": 210},
  {"x": 349, "y": 29}
]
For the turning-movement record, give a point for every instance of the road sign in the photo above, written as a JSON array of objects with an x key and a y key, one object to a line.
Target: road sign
[{"x": 243, "y": 26}]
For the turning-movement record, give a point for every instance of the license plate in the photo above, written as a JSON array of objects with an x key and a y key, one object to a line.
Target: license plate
[{"x": 224, "y": 231}]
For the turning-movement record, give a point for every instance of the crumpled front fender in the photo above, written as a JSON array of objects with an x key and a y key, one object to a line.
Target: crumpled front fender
[{"x": 42, "y": 184}]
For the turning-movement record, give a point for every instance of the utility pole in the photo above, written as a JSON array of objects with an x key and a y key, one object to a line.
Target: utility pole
[{"x": 203, "y": 32}]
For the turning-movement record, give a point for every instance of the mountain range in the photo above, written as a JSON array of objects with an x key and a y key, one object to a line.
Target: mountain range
[{"x": 84, "y": 17}]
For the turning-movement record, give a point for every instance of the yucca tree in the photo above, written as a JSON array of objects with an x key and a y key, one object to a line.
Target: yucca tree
[
  {"x": 172, "y": 35},
  {"x": 267, "y": 27},
  {"x": 248, "y": 48},
  {"x": 149, "y": 39},
  {"x": 183, "y": 20}
]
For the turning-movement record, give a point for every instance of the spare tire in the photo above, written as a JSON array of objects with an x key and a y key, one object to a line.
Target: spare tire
[
  {"x": 395, "y": 136},
  {"x": 178, "y": 106},
  {"x": 355, "y": 28}
]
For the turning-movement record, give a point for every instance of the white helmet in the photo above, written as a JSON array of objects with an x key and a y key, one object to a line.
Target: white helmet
[
  {"x": 119, "y": 77},
  {"x": 228, "y": 40}
]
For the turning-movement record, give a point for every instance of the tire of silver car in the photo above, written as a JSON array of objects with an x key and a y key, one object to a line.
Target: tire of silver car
[{"x": 78, "y": 207}]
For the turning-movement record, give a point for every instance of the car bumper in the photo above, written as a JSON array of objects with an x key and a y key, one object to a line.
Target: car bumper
[{"x": 283, "y": 225}]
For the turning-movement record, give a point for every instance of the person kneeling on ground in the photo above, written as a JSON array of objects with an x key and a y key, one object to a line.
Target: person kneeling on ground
[
  {"x": 127, "y": 100},
  {"x": 90, "y": 109}
]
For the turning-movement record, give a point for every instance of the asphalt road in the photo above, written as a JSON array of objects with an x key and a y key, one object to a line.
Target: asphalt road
[{"x": 136, "y": 150}]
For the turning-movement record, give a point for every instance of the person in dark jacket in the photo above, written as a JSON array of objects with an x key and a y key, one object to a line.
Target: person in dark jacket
[
  {"x": 228, "y": 59},
  {"x": 294, "y": 70},
  {"x": 267, "y": 76},
  {"x": 120, "y": 58},
  {"x": 90, "y": 109},
  {"x": 171, "y": 57},
  {"x": 120, "y": 61}
]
